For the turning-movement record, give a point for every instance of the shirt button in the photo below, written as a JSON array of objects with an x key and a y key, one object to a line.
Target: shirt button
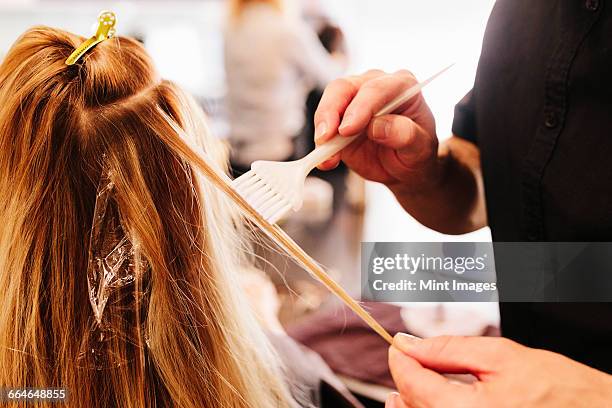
[
  {"x": 591, "y": 5},
  {"x": 550, "y": 121}
]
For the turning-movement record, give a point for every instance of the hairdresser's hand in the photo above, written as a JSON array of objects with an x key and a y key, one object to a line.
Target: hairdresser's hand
[
  {"x": 509, "y": 375},
  {"x": 397, "y": 149}
]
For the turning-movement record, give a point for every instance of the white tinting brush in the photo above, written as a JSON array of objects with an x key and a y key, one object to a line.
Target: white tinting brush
[{"x": 274, "y": 188}]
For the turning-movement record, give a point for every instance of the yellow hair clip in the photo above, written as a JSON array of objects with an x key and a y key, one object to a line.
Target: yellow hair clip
[{"x": 106, "y": 30}]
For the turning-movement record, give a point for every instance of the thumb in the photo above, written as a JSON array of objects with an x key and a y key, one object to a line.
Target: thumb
[
  {"x": 454, "y": 354},
  {"x": 397, "y": 132}
]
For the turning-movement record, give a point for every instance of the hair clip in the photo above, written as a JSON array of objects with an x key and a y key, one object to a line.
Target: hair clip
[{"x": 106, "y": 30}]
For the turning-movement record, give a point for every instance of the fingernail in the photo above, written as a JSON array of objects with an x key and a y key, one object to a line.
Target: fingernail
[
  {"x": 405, "y": 341},
  {"x": 379, "y": 129},
  {"x": 320, "y": 131},
  {"x": 347, "y": 120},
  {"x": 392, "y": 400}
]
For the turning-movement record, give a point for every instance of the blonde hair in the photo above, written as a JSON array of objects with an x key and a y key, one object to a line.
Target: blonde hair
[
  {"x": 236, "y": 7},
  {"x": 179, "y": 334}
]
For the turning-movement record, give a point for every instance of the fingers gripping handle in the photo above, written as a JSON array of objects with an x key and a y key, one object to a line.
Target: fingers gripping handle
[
  {"x": 338, "y": 142},
  {"x": 326, "y": 150}
]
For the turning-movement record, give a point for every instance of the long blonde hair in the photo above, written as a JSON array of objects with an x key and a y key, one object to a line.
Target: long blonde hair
[{"x": 175, "y": 335}]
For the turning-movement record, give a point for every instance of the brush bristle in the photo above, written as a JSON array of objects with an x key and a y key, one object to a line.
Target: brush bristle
[{"x": 261, "y": 196}]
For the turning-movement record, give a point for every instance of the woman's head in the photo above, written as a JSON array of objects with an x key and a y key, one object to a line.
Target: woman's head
[{"x": 173, "y": 330}]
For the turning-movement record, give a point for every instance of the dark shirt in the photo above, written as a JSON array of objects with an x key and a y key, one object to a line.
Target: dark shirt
[{"x": 540, "y": 112}]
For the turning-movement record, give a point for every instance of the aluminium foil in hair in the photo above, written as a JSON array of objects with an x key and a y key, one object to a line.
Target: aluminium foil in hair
[{"x": 111, "y": 261}]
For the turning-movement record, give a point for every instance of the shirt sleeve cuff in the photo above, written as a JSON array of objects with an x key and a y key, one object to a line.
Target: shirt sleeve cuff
[{"x": 464, "y": 121}]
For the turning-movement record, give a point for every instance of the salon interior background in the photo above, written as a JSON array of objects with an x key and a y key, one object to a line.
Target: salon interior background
[{"x": 185, "y": 39}]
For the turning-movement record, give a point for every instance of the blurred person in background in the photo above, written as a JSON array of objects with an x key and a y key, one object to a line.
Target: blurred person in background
[
  {"x": 272, "y": 59},
  {"x": 332, "y": 39}
]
